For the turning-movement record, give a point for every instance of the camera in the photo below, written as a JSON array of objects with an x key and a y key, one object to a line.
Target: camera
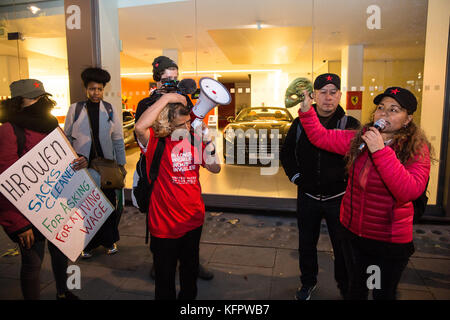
[
  {"x": 184, "y": 87},
  {"x": 169, "y": 85}
]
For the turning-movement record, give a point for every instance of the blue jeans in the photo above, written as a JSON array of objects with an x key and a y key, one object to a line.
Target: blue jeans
[{"x": 310, "y": 213}]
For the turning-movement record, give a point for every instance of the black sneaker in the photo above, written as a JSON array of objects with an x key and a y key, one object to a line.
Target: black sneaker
[
  {"x": 67, "y": 296},
  {"x": 204, "y": 273},
  {"x": 304, "y": 293}
]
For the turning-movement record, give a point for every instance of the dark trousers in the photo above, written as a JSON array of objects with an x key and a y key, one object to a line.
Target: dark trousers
[
  {"x": 358, "y": 257},
  {"x": 309, "y": 217},
  {"x": 31, "y": 267},
  {"x": 166, "y": 253},
  {"x": 108, "y": 234}
]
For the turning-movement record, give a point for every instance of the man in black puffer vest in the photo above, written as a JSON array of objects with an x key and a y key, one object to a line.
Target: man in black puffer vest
[{"x": 321, "y": 179}]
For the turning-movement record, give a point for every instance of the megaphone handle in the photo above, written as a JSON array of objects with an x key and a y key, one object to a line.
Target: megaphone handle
[{"x": 197, "y": 122}]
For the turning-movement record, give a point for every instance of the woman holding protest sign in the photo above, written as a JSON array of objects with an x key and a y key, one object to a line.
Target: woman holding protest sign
[
  {"x": 95, "y": 131},
  {"x": 26, "y": 121}
]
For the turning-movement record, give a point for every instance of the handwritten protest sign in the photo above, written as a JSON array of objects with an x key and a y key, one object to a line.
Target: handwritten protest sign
[{"x": 66, "y": 206}]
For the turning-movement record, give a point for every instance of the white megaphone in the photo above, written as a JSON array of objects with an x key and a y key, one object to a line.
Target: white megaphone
[{"x": 212, "y": 93}]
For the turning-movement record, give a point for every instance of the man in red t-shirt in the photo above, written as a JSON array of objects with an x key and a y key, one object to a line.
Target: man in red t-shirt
[{"x": 176, "y": 210}]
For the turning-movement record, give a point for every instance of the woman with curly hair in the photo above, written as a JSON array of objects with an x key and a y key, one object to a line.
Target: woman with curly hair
[
  {"x": 176, "y": 210},
  {"x": 95, "y": 130},
  {"x": 27, "y": 114},
  {"x": 388, "y": 168}
]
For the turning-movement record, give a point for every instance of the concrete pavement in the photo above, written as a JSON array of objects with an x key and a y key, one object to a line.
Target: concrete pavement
[{"x": 253, "y": 257}]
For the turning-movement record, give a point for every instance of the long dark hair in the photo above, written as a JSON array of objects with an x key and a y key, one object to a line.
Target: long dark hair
[{"x": 14, "y": 105}]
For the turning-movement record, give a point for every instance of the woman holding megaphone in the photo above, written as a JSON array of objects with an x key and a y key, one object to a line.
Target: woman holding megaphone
[
  {"x": 389, "y": 165},
  {"x": 176, "y": 210}
]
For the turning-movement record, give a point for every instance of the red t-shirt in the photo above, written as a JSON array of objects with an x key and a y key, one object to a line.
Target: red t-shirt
[{"x": 176, "y": 204}]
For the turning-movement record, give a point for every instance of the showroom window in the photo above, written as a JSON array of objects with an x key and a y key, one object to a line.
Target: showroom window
[
  {"x": 256, "y": 48},
  {"x": 33, "y": 45}
]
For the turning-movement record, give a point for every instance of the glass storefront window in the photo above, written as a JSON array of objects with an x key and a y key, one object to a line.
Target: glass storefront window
[
  {"x": 38, "y": 50},
  {"x": 256, "y": 48}
]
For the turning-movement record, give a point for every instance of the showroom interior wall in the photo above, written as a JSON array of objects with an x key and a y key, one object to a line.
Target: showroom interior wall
[
  {"x": 435, "y": 73},
  {"x": 41, "y": 50},
  {"x": 110, "y": 49},
  {"x": 239, "y": 43}
]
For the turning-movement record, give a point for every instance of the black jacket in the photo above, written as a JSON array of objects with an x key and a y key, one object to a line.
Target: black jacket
[{"x": 320, "y": 172}]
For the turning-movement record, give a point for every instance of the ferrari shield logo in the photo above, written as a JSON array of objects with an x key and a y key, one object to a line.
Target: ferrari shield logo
[{"x": 354, "y": 100}]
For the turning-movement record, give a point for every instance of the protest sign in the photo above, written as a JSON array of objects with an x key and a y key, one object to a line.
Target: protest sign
[{"x": 66, "y": 206}]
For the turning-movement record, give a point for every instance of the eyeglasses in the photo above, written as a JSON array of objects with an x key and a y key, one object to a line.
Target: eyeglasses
[
  {"x": 176, "y": 126},
  {"x": 389, "y": 109}
]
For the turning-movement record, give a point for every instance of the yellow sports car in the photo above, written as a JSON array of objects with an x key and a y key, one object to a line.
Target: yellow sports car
[{"x": 256, "y": 135}]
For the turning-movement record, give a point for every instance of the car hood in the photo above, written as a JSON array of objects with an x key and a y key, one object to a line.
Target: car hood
[{"x": 245, "y": 125}]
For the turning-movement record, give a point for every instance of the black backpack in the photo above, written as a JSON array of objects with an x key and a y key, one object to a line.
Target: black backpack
[
  {"x": 143, "y": 190},
  {"x": 420, "y": 204}
]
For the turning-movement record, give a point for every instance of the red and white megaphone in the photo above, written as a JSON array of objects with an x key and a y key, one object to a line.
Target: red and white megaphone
[{"x": 212, "y": 93}]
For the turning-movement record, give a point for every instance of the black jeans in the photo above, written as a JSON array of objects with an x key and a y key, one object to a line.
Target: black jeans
[
  {"x": 390, "y": 259},
  {"x": 108, "y": 234},
  {"x": 31, "y": 267},
  {"x": 309, "y": 217},
  {"x": 166, "y": 253}
]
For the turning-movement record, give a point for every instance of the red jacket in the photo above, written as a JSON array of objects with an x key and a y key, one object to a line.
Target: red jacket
[
  {"x": 377, "y": 203},
  {"x": 11, "y": 219}
]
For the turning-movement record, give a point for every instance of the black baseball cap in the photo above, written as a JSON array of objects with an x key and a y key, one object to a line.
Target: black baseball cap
[
  {"x": 327, "y": 78},
  {"x": 404, "y": 97},
  {"x": 160, "y": 64}
]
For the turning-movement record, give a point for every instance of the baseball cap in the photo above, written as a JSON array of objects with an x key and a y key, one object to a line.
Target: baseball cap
[
  {"x": 27, "y": 88},
  {"x": 325, "y": 79},
  {"x": 160, "y": 64},
  {"x": 404, "y": 97}
]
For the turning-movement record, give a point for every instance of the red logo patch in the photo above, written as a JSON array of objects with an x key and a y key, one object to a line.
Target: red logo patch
[
  {"x": 36, "y": 84},
  {"x": 395, "y": 91},
  {"x": 329, "y": 78}
]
